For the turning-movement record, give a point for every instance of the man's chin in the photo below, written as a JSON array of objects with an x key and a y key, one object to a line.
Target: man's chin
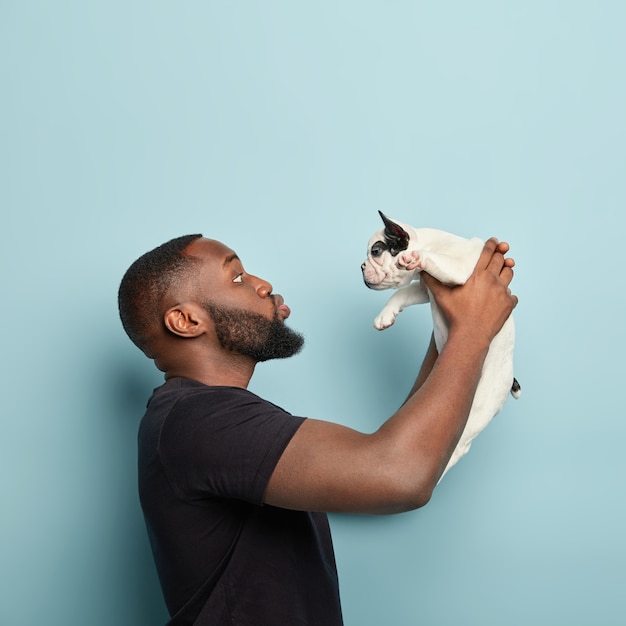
[{"x": 282, "y": 343}]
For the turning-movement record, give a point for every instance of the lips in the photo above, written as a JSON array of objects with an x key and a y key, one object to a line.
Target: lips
[{"x": 281, "y": 307}]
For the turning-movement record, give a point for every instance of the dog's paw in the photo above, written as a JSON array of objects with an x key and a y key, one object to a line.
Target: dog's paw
[
  {"x": 385, "y": 319},
  {"x": 409, "y": 260}
]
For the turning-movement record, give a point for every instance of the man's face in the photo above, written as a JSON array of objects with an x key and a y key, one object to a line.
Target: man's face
[{"x": 247, "y": 317}]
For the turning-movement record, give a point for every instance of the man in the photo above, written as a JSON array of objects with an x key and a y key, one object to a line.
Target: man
[{"x": 234, "y": 489}]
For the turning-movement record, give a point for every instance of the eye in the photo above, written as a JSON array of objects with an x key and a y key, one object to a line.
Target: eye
[
  {"x": 378, "y": 248},
  {"x": 238, "y": 278}
]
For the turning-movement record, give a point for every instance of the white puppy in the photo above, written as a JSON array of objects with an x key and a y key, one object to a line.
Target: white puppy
[{"x": 396, "y": 255}]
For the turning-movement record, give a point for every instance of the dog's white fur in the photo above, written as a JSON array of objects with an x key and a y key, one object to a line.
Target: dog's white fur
[{"x": 450, "y": 259}]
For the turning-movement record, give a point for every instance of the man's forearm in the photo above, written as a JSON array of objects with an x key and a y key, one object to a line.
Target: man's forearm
[
  {"x": 426, "y": 429},
  {"x": 426, "y": 368}
]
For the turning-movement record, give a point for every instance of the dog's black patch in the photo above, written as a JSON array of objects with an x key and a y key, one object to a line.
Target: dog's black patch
[
  {"x": 378, "y": 248},
  {"x": 396, "y": 238}
]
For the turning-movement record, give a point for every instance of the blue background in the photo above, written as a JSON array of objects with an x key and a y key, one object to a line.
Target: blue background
[{"x": 282, "y": 128}]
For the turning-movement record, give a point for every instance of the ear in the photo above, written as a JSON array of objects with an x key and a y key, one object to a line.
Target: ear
[
  {"x": 184, "y": 321},
  {"x": 395, "y": 236}
]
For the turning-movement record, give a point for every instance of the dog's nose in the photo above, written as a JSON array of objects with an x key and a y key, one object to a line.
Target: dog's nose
[{"x": 362, "y": 266}]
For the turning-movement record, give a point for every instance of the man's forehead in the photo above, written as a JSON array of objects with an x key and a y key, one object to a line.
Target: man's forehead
[{"x": 211, "y": 249}]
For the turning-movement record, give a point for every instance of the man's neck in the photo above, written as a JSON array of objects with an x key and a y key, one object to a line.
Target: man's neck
[{"x": 232, "y": 373}]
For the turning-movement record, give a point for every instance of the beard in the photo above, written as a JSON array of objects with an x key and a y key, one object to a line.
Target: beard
[{"x": 252, "y": 334}]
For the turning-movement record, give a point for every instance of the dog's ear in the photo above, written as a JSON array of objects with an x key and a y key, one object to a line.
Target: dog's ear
[{"x": 395, "y": 236}]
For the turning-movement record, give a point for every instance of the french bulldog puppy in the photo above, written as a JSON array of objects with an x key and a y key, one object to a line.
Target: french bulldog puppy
[{"x": 396, "y": 256}]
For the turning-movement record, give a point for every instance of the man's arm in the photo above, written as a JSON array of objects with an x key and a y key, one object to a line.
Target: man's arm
[
  {"x": 329, "y": 467},
  {"x": 427, "y": 366}
]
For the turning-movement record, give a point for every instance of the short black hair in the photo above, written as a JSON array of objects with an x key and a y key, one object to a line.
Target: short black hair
[{"x": 145, "y": 283}]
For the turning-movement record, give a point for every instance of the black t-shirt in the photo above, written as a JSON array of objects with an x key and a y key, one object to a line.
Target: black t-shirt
[{"x": 223, "y": 557}]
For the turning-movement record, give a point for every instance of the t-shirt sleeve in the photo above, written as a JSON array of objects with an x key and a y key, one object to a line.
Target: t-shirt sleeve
[{"x": 224, "y": 444}]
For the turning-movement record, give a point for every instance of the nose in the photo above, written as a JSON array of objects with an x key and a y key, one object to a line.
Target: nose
[
  {"x": 363, "y": 266},
  {"x": 263, "y": 288}
]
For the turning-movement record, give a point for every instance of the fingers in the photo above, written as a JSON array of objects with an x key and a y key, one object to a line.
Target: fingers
[
  {"x": 487, "y": 254},
  {"x": 497, "y": 261},
  {"x": 492, "y": 255},
  {"x": 506, "y": 269},
  {"x": 502, "y": 247},
  {"x": 506, "y": 275}
]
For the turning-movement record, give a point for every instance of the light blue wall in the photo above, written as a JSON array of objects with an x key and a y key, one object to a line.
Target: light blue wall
[{"x": 281, "y": 128}]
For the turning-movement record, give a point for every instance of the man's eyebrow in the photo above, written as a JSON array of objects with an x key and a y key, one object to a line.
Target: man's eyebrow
[{"x": 230, "y": 258}]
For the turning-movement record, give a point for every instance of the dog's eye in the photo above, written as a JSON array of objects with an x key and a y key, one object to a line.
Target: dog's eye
[{"x": 378, "y": 248}]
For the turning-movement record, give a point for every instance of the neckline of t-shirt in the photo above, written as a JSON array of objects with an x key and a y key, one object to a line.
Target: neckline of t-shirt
[{"x": 192, "y": 382}]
